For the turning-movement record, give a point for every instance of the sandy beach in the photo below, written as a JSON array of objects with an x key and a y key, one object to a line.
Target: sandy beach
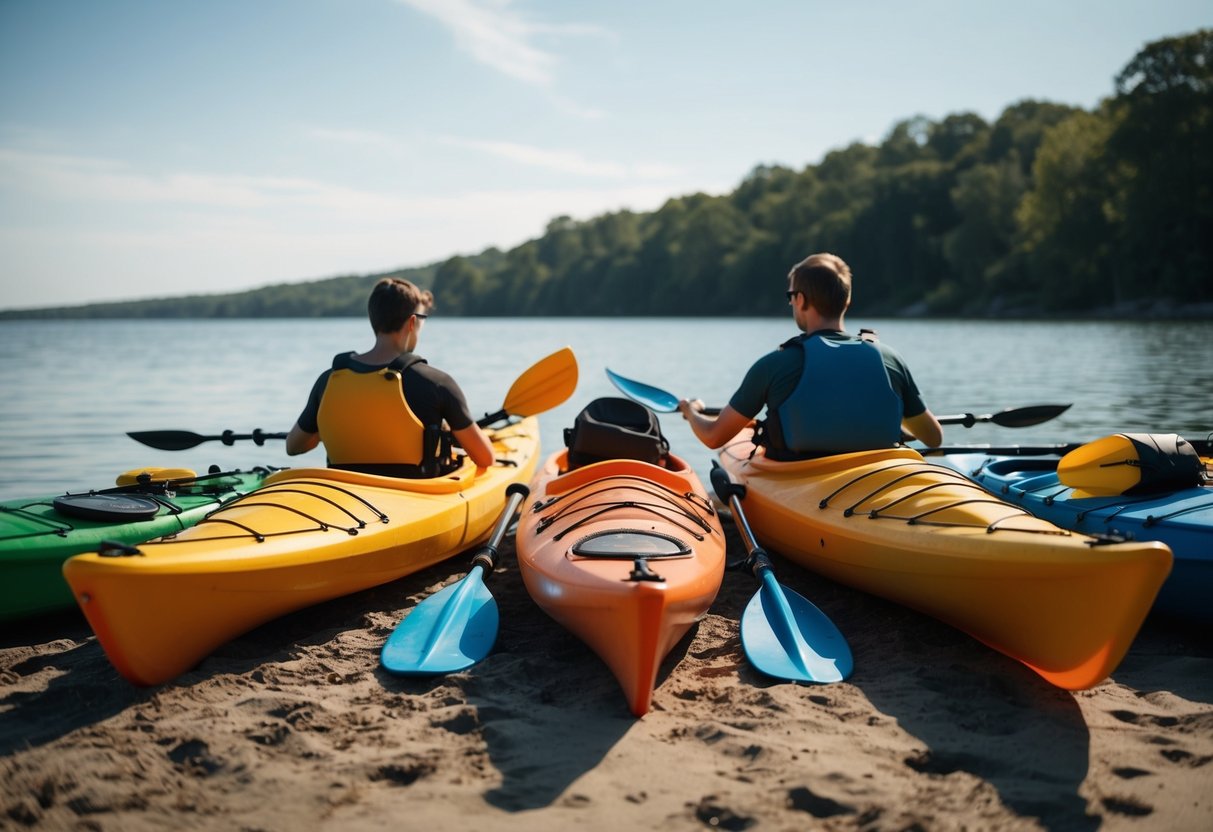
[{"x": 294, "y": 726}]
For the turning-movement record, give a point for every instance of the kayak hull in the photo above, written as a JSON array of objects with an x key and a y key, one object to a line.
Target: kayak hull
[
  {"x": 308, "y": 535},
  {"x": 889, "y": 523},
  {"x": 1182, "y": 519},
  {"x": 36, "y": 537},
  {"x": 578, "y": 546}
]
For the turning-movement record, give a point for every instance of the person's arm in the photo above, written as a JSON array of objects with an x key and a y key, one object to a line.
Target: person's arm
[
  {"x": 477, "y": 444},
  {"x": 925, "y": 428},
  {"x": 713, "y": 432},
  {"x": 299, "y": 441}
]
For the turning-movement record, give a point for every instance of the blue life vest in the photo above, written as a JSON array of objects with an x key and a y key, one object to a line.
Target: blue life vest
[{"x": 843, "y": 402}]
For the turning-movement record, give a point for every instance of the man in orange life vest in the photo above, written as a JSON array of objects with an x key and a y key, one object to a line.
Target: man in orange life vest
[
  {"x": 402, "y": 429},
  {"x": 825, "y": 391}
]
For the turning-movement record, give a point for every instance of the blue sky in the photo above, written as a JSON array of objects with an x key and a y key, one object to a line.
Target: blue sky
[{"x": 151, "y": 148}]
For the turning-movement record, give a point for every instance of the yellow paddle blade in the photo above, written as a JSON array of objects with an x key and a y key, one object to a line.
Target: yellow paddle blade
[
  {"x": 155, "y": 475},
  {"x": 547, "y": 384},
  {"x": 1103, "y": 468}
]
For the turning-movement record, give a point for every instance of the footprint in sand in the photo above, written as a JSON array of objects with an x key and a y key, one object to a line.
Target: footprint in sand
[
  {"x": 721, "y": 817},
  {"x": 404, "y": 773},
  {"x": 1127, "y": 806},
  {"x": 196, "y": 758},
  {"x": 802, "y": 799},
  {"x": 1134, "y": 718},
  {"x": 1185, "y": 758}
]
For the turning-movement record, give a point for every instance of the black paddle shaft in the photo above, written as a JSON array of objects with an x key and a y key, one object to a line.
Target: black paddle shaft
[
  {"x": 488, "y": 555},
  {"x": 732, "y": 493}
]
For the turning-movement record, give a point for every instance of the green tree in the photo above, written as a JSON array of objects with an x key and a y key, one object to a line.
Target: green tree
[
  {"x": 1068, "y": 221},
  {"x": 1164, "y": 142}
]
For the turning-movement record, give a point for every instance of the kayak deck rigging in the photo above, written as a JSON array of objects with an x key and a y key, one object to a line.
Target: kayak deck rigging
[
  {"x": 161, "y": 493},
  {"x": 674, "y": 507},
  {"x": 257, "y": 500},
  {"x": 1119, "y": 504},
  {"x": 62, "y": 528},
  {"x": 912, "y": 469}
]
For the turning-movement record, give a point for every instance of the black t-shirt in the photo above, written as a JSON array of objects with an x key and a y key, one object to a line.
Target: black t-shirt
[{"x": 433, "y": 396}]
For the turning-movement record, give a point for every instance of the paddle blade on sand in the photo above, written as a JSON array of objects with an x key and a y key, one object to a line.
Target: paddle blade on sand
[
  {"x": 449, "y": 631},
  {"x": 786, "y": 636}
]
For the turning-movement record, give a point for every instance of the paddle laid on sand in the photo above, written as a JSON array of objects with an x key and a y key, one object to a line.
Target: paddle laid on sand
[
  {"x": 663, "y": 401},
  {"x": 544, "y": 385},
  {"x": 783, "y": 634},
  {"x": 455, "y": 627}
]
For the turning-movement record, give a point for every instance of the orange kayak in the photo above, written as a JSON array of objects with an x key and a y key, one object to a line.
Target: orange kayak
[
  {"x": 626, "y": 556},
  {"x": 887, "y": 522}
]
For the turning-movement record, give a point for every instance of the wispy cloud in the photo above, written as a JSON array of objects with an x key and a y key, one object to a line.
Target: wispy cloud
[
  {"x": 567, "y": 161},
  {"x": 499, "y": 36},
  {"x": 221, "y": 230},
  {"x": 76, "y": 178},
  {"x": 358, "y": 138}
]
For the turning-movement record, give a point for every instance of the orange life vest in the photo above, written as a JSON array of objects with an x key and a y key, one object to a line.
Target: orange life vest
[{"x": 366, "y": 423}]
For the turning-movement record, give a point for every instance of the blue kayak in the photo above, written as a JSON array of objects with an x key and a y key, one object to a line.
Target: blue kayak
[{"x": 1182, "y": 518}]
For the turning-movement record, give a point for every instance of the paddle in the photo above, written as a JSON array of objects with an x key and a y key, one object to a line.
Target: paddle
[
  {"x": 782, "y": 633},
  {"x": 544, "y": 385},
  {"x": 1202, "y": 446},
  {"x": 181, "y": 440},
  {"x": 654, "y": 398},
  {"x": 1002, "y": 450},
  {"x": 1012, "y": 417},
  {"x": 455, "y": 627},
  {"x": 663, "y": 401}
]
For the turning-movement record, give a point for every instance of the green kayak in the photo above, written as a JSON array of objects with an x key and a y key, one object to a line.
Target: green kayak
[{"x": 37, "y": 535}]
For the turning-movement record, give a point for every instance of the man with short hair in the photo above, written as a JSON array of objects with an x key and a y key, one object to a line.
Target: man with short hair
[
  {"x": 403, "y": 429},
  {"x": 825, "y": 391}
]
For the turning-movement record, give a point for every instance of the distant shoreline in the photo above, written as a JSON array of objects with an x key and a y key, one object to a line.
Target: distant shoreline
[{"x": 1159, "y": 311}]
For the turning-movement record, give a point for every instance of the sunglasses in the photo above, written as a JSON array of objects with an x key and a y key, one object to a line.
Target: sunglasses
[{"x": 791, "y": 293}]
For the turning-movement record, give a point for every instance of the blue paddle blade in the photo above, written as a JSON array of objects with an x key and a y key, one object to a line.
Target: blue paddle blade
[
  {"x": 786, "y": 636},
  {"x": 449, "y": 631},
  {"x": 652, "y": 397}
]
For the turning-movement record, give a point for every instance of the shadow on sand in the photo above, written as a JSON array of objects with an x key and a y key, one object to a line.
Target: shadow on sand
[
  {"x": 577, "y": 712},
  {"x": 973, "y": 709},
  {"x": 87, "y": 689}
]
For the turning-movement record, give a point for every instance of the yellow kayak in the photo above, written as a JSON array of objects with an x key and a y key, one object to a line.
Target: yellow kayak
[
  {"x": 306, "y": 536},
  {"x": 887, "y": 522}
]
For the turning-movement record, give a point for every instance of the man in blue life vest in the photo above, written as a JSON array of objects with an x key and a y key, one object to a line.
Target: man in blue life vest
[
  {"x": 825, "y": 391},
  {"x": 403, "y": 428}
]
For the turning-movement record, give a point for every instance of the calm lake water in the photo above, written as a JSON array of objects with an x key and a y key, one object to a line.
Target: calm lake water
[{"x": 70, "y": 390}]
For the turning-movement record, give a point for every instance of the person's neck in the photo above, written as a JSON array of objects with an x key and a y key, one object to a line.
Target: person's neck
[
  {"x": 815, "y": 322},
  {"x": 388, "y": 345}
]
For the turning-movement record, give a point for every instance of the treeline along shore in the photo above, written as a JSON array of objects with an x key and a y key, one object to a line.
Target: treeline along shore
[{"x": 1049, "y": 211}]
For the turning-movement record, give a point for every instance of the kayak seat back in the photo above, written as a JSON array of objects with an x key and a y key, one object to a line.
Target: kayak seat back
[
  {"x": 674, "y": 475},
  {"x": 615, "y": 428}
]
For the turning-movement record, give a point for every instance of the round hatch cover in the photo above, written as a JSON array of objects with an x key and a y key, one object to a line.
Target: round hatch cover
[
  {"x": 111, "y": 508},
  {"x": 629, "y": 544}
]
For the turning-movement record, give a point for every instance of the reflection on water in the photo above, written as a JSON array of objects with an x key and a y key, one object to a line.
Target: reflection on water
[{"x": 72, "y": 389}]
